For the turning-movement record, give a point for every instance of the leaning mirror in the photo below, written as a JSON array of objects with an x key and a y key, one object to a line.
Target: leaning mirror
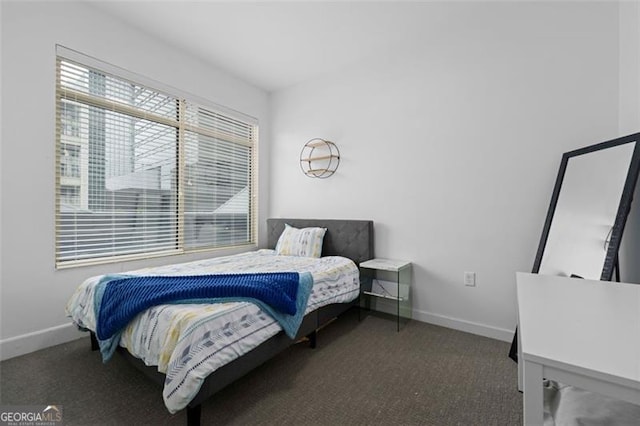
[{"x": 588, "y": 211}]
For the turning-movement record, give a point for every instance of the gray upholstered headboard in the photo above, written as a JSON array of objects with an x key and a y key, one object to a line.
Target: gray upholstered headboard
[{"x": 348, "y": 238}]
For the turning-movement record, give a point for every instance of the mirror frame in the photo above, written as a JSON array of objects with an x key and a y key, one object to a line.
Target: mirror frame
[{"x": 611, "y": 257}]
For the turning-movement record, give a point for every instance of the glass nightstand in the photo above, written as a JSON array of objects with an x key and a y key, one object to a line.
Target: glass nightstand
[{"x": 375, "y": 296}]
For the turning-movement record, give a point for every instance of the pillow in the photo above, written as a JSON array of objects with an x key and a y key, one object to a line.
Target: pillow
[{"x": 305, "y": 242}]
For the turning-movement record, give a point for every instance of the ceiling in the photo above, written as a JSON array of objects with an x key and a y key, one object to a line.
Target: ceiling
[{"x": 274, "y": 45}]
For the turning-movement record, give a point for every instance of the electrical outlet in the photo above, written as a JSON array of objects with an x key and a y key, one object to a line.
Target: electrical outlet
[{"x": 470, "y": 279}]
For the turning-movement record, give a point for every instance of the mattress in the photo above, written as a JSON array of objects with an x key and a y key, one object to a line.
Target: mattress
[{"x": 187, "y": 342}]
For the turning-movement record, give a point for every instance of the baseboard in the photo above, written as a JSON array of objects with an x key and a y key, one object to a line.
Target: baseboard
[
  {"x": 31, "y": 342},
  {"x": 453, "y": 323},
  {"x": 466, "y": 326}
]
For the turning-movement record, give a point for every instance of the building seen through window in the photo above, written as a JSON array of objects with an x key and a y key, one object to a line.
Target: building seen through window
[{"x": 120, "y": 173}]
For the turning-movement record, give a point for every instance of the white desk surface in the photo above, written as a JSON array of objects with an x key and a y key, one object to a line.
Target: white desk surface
[
  {"x": 584, "y": 323},
  {"x": 579, "y": 332}
]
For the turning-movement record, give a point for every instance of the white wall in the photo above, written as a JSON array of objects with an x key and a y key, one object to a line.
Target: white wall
[
  {"x": 451, "y": 144},
  {"x": 629, "y": 36},
  {"x": 33, "y": 292}
]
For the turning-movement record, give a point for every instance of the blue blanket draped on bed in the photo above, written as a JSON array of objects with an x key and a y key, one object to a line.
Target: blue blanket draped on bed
[{"x": 119, "y": 298}]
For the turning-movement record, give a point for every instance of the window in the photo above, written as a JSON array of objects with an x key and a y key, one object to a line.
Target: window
[
  {"x": 143, "y": 172},
  {"x": 70, "y": 121}
]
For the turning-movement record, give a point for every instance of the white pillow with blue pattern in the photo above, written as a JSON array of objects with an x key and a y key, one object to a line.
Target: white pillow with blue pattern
[{"x": 304, "y": 242}]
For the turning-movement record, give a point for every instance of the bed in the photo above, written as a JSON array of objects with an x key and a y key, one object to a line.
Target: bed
[{"x": 195, "y": 350}]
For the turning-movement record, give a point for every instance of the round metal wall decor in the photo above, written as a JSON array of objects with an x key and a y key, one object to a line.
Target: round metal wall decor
[{"x": 319, "y": 158}]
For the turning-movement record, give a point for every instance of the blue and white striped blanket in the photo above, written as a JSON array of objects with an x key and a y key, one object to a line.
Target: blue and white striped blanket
[
  {"x": 187, "y": 342},
  {"x": 118, "y": 298}
]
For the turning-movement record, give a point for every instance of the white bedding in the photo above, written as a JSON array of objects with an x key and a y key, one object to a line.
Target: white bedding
[{"x": 189, "y": 342}]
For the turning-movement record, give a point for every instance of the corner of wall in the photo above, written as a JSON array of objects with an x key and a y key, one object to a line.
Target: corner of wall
[
  {"x": 629, "y": 67},
  {"x": 628, "y": 123}
]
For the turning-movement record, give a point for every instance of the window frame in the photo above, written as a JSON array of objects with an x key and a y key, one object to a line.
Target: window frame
[{"x": 177, "y": 194}]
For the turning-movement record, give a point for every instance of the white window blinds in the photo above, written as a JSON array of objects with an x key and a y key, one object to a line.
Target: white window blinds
[{"x": 141, "y": 172}]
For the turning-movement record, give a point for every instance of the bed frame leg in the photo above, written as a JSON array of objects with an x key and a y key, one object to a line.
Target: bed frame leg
[
  {"x": 94, "y": 342},
  {"x": 193, "y": 415},
  {"x": 312, "y": 339}
]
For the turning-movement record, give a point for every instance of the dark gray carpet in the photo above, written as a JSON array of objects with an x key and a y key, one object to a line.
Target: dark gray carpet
[{"x": 361, "y": 373}]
